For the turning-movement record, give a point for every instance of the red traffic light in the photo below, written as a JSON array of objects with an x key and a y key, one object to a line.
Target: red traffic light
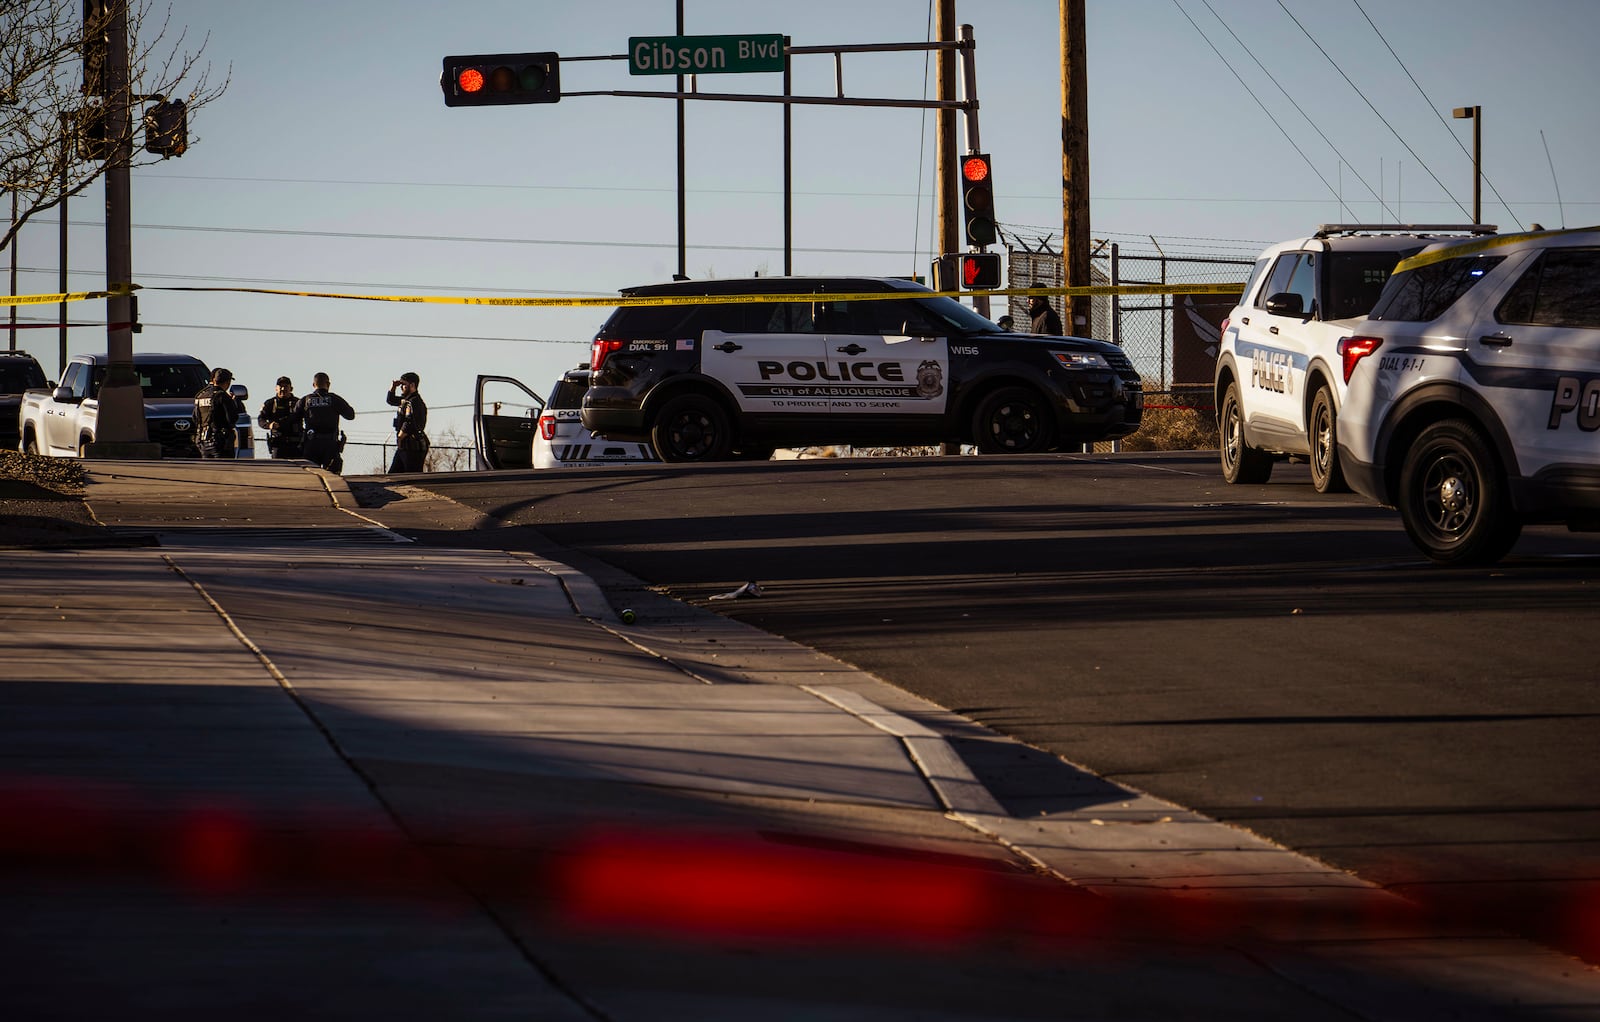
[
  {"x": 498, "y": 79},
  {"x": 977, "y": 195}
]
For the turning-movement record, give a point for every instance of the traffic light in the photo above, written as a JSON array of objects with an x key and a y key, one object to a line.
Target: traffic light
[
  {"x": 94, "y": 143},
  {"x": 96, "y": 46},
  {"x": 977, "y": 199},
  {"x": 497, "y": 79},
  {"x": 980, "y": 271},
  {"x": 166, "y": 128}
]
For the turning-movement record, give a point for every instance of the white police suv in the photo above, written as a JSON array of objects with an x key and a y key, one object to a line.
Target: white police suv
[
  {"x": 1279, "y": 382},
  {"x": 1474, "y": 396},
  {"x": 560, "y": 441}
]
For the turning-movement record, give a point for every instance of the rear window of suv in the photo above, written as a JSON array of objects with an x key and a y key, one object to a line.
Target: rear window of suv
[
  {"x": 1356, "y": 279},
  {"x": 1423, "y": 294}
]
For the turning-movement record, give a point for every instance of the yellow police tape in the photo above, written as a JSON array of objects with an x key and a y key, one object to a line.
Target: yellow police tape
[
  {"x": 1099, "y": 290},
  {"x": 1466, "y": 248}
]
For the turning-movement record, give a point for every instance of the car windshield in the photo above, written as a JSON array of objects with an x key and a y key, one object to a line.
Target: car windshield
[
  {"x": 953, "y": 313},
  {"x": 162, "y": 381}
]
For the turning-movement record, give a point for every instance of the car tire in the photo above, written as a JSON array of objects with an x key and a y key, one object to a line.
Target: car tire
[
  {"x": 1241, "y": 463},
  {"x": 1453, "y": 497},
  {"x": 1326, "y": 475},
  {"x": 1013, "y": 420},
  {"x": 30, "y": 446},
  {"x": 691, "y": 427}
]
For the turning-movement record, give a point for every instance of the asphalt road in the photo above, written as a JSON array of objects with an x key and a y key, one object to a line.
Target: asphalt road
[{"x": 1277, "y": 659}]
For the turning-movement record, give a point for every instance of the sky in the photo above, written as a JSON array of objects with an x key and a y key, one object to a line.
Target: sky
[{"x": 1216, "y": 127}]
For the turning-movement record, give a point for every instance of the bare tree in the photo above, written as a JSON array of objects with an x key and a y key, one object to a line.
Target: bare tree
[{"x": 51, "y": 94}]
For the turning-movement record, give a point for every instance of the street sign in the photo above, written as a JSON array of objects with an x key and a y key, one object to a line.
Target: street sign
[{"x": 704, "y": 54}]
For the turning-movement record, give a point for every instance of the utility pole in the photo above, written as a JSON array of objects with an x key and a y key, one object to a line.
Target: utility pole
[
  {"x": 948, "y": 197},
  {"x": 120, "y": 430},
  {"x": 1075, "y": 164},
  {"x": 683, "y": 205}
]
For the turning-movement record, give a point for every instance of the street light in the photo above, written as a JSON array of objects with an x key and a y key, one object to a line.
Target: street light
[{"x": 1475, "y": 115}]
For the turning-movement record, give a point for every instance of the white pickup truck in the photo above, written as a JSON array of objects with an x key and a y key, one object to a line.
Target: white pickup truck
[{"x": 59, "y": 422}]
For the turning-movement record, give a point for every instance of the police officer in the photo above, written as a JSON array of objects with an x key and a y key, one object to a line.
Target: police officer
[
  {"x": 319, "y": 412},
  {"x": 411, "y": 442},
  {"x": 216, "y": 417},
  {"x": 285, "y": 431}
]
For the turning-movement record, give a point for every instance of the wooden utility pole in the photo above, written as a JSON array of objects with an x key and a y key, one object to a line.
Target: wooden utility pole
[
  {"x": 948, "y": 197},
  {"x": 1075, "y": 164}
]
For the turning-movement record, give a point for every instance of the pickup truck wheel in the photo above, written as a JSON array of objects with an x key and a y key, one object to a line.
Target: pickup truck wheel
[
  {"x": 691, "y": 427},
  {"x": 30, "y": 446},
  {"x": 1012, "y": 420},
  {"x": 1326, "y": 475},
  {"x": 1241, "y": 463},
  {"x": 1453, "y": 497}
]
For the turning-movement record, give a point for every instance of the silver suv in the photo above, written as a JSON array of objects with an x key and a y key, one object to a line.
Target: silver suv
[
  {"x": 1279, "y": 382},
  {"x": 1474, "y": 397}
]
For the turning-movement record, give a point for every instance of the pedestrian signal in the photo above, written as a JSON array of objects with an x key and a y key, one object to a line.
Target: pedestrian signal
[
  {"x": 166, "y": 128},
  {"x": 499, "y": 79},
  {"x": 980, "y": 271}
]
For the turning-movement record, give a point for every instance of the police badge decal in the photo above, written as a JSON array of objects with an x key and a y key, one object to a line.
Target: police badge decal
[{"x": 930, "y": 379}]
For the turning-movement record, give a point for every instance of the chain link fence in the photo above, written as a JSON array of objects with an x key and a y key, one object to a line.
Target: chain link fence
[{"x": 1171, "y": 339}]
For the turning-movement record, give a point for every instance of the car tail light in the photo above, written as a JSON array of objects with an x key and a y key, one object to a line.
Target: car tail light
[
  {"x": 547, "y": 426},
  {"x": 1222, "y": 331},
  {"x": 599, "y": 350},
  {"x": 1354, "y": 349}
]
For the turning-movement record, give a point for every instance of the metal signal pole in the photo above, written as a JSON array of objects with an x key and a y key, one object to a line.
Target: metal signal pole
[{"x": 120, "y": 428}]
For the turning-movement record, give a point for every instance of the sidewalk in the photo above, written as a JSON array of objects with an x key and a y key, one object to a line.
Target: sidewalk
[{"x": 282, "y": 761}]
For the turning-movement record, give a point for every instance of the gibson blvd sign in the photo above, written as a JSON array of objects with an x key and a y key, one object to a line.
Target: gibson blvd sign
[{"x": 704, "y": 54}]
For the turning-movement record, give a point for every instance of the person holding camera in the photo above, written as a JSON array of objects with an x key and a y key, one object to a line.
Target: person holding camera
[{"x": 410, "y": 423}]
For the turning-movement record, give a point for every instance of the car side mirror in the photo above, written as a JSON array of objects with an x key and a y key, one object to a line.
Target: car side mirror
[
  {"x": 240, "y": 391},
  {"x": 1286, "y": 303},
  {"x": 62, "y": 395}
]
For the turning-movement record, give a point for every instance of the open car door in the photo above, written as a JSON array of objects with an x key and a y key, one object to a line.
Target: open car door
[{"x": 505, "y": 416}]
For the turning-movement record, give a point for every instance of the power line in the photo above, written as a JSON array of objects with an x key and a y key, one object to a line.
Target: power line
[
  {"x": 372, "y": 236},
  {"x": 1301, "y": 112},
  {"x": 1434, "y": 108},
  {"x": 388, "y": 334},
  {"x": 1420, "y": 162},
  {"x": 1263, "y": 106}
]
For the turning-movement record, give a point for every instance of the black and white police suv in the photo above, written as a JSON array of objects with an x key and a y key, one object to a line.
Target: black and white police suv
[
  {"x": 1279, "y": 382},
  {"x": 838, "y": 364},
  {"x": 1474, "y": 399}
]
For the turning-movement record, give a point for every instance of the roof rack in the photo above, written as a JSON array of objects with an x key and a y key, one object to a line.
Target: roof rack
[{"x": 1326, "y": 229}]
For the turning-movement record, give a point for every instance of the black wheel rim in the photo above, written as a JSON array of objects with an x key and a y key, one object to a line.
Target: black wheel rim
[
  {"x": 1015, "y": 426},
  {"x": 693, "y": 433}
]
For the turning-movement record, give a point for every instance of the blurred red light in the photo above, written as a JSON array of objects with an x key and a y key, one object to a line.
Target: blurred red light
[
  {"x": 470, "y": 80},
  {"x": 975, "y": 168}
]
